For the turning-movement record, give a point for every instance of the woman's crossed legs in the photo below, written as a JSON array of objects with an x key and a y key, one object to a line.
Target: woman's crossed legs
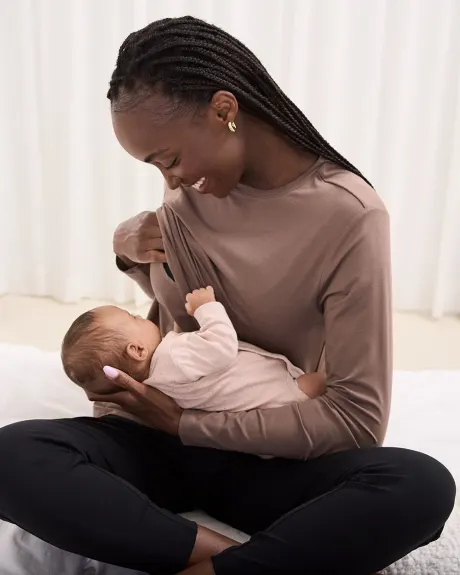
[{"x": 110, "y": 489}]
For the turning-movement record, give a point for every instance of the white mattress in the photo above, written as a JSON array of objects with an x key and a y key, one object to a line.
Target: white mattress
[{"x": 424, "y": 417}]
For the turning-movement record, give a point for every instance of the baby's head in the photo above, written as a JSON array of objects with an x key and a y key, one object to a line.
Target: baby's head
[{"x": 108, "y": 335}]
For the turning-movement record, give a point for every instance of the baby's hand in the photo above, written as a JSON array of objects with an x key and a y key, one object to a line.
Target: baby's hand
[
  {"x": 198, "y": 298},
  {"x": 312, "y": 384}
]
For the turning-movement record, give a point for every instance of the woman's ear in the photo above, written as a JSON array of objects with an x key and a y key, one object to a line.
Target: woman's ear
[
  {"x": 225, "y": 106},
  {"x": 137, "y": 352}
]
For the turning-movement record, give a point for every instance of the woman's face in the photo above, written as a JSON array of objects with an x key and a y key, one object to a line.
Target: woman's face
[{"x": 189, "y": 149}]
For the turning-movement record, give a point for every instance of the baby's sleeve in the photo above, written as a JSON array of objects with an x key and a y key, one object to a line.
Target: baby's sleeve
[{"x": 211, "y": 349}]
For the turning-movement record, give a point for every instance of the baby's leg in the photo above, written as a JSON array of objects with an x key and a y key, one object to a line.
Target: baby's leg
[{"x": 312, "y": 384}]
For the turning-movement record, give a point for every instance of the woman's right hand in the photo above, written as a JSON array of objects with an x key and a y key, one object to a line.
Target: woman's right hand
[{"x": 138, "y": 240}]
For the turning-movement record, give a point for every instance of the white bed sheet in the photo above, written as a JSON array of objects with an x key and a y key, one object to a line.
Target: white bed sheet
[{"x": 424, "y": 417}]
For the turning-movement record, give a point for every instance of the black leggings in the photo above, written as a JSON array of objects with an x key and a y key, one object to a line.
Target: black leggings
[{"x": 109, "y": 489}]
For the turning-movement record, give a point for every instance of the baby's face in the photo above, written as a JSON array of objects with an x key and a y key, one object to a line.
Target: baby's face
[{"x": 138, "y": 331}]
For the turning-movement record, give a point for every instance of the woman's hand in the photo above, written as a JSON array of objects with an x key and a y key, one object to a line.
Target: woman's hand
[
  {"x": 138, "y": 240},
  {"x": 151, "y": 406}
]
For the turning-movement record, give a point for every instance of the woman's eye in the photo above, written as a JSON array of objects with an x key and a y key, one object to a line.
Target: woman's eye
[{"x": 172, "y": 164}]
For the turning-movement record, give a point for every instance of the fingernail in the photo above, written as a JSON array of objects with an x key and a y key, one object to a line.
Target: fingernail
[{"x": 110, "y": 372}]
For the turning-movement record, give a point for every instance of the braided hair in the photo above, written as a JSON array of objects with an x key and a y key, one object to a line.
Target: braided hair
[{"x": 190, "y": 60}]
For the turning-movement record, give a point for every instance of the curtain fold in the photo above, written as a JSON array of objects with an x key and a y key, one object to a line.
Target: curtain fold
[{"x": 380, "y": 80}]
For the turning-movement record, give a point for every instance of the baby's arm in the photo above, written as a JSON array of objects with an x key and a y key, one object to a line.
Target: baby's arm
[{"x": 211, "y": 349}]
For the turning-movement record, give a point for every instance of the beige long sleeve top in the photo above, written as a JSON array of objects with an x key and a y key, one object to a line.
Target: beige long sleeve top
[
  {"x": 210, "y": 369},
  {"x": 303, "y": 271}
]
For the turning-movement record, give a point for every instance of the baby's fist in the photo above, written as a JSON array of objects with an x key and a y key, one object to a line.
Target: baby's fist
[{"x": 198, "y": 298}]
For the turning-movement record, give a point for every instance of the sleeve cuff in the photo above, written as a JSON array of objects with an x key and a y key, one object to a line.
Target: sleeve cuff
[
  {"x": 188, "y": 432},
  {"x": 212, "y": 308},
  {"x": 121, "y": 265}
]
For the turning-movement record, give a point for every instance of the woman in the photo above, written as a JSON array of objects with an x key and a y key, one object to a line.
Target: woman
[{"x": 296, "y": 243}]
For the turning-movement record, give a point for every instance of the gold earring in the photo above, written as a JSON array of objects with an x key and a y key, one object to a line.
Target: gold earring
[{"x": 232, "y": 126}]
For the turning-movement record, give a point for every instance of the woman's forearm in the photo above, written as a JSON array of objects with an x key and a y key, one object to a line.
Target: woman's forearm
[{"x": 328, "y": 424}]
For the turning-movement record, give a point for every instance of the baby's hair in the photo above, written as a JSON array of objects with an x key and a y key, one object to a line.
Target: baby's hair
[{"x": 87, "y": 347}]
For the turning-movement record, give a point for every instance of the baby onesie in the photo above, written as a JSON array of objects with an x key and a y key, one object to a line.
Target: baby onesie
[{"x": 211, "y": 370}]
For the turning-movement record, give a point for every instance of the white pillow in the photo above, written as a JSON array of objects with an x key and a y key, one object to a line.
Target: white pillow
[{"x": 33, "y": 385}]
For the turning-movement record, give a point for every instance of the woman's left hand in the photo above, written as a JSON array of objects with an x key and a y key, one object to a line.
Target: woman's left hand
[{"x": 151, "y": 406}]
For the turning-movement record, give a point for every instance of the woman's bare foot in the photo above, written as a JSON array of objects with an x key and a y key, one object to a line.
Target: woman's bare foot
[
  {"x": 207, "y": 544},
  {"x": 204, "y": 568}
]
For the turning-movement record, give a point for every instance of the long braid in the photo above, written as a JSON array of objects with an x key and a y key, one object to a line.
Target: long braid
[{"x": 191, "y": 60}]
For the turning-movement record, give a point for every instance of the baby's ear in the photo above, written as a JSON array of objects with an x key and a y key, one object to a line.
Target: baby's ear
[{"x": 137, "y": 352}]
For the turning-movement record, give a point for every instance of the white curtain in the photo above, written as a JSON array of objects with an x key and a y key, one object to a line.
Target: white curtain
[{"x": 380, "y": 80}]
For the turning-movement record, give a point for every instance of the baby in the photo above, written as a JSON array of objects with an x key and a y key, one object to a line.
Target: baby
[{"x": 208, "y": 369}]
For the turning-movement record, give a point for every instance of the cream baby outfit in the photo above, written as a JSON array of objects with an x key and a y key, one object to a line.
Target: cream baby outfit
[{"x": 211, "y": 370}]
